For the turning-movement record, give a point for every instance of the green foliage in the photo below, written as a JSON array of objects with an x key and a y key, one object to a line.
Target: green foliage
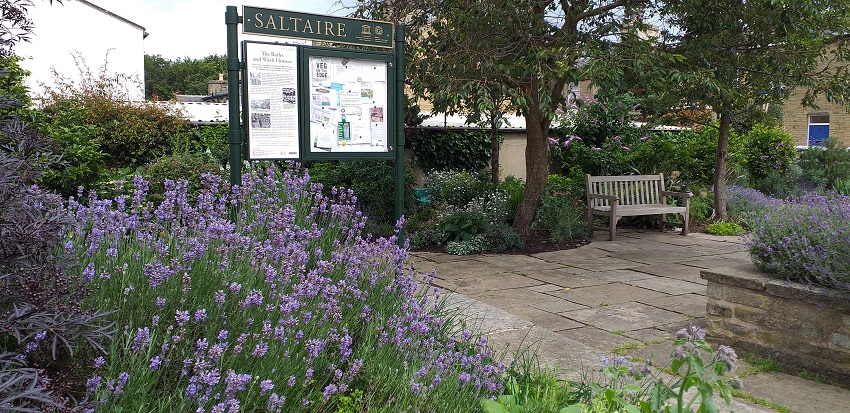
[
  {"x": 351, "y": 403},
  {"x": 372, "y": 181},
  {"x": 450, "y": 149},
  {"x": 12, "y": 88},
  {"x": 210, "y": 139},
  {"x": 165, "y": 78},
  {"x": 841, "y": 186},
  {"x": 701, "y": 206},
  {"x": 186, "y": 167},
  {"x": 515, "y": 189},
  {"x": 458, "y": 188},
  {"x": 823, "y": 166},
  {"x": 691, "y": 152},
  {"x": 534, "y": 388},
  {"x": 504, "y": 237},
  {"x": 725, "y": 229},
  {"x": 463, "y": 225},
  {"x": 597, "y": 137},
  {"x": 82, "y": 157},
  {"x": 474, "y": 245},
  {"x": 129, "y": 133},
  {"x": 563, "y": 216},
  {"x": 765, "y": 151}
]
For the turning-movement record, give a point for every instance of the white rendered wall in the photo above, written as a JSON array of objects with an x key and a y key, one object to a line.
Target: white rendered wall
[{"x": 60, "y": 30}]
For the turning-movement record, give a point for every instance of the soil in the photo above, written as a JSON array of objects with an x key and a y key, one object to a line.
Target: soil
[{"x": 535, "y": 243}]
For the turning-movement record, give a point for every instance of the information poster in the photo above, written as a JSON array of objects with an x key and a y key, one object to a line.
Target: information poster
[
  {"x": 348, "y": 105},
  {"x": 272, "y": 94}
]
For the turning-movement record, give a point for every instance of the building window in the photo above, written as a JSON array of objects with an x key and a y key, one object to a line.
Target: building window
[{"x": 818, "y": 129}]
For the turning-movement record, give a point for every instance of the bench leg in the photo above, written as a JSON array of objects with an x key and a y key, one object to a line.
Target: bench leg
[
  {"x": 613, "y": 230},
  {"x": 661, "y": 224},
  {"x": 685, "y": 224},
  {"x": 589, "y": 224}
]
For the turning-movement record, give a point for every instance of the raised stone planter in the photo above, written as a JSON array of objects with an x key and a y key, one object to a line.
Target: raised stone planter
[{"x": 802, "y": 326}]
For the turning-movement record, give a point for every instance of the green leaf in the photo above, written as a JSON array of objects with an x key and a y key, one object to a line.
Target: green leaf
[
  {"x": 491, "y": 406},
  {"x": 575, "y": 408}
]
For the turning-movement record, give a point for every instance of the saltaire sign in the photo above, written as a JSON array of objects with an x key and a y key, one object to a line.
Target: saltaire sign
[{"x": 282, "y": 23}]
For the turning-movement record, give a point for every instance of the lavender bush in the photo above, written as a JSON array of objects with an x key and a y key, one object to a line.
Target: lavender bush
[
  {"x": 803, "y": 239},
  {"x": 286, "y": 308}
]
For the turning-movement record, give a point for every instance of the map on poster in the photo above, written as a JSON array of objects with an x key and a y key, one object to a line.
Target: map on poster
[
  {"x": 348, "y": 100},
  {"x": 272, "y": 88}
]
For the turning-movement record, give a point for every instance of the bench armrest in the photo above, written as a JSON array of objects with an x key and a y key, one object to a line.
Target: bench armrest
[
  {"x": 600, "y": 196},
  {"x": 677, "y": 194}
]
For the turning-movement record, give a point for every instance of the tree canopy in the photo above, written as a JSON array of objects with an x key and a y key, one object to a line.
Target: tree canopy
[
  {"x": 472, "y": 53},
  {"x": 165, "y": 78},
  {"x": 739, "y": 55}
]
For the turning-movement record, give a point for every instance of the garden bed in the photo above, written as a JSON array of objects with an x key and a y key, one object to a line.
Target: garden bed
[{"x": 804, "y": 327}]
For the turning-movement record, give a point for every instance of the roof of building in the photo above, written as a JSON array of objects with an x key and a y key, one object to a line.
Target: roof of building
[
  {"x": 200, "y": 112},
  {"x": 111, "y": 14},
  {"x": 443, "y": 121}
]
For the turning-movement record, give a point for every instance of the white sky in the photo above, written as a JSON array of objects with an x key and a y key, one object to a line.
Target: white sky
[{"x": 195, "y": 28}]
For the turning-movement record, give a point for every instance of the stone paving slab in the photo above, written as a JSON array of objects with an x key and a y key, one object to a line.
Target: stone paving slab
[
  {"x": 624, "y": 317},
  {"x": 587, "y": 278},
  {"x": 553, "y": 350},
  {"x": 668, "y": 285},
  {"x": 518, "y": 263},
  {"x": 677, "y": 271},
  {"x": 567, "y": 256},
  {"x": 518, "y": 297},
  {"x": 692, "y": 305},
  {"x": 614, "y": 293},
  {"x": 465, "y": 269},
  {"x": 557, "y": 306},
  {"x": 601, "y": 340},
  {"x": 544, "y": 319},
  {"x": 798, "y": 394},
  {"x": 606, "y": 264},
  {"x": 492, "y": 282}
]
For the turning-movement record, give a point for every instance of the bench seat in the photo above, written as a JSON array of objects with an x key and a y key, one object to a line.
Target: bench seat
[{"x": 615, "y": 197}]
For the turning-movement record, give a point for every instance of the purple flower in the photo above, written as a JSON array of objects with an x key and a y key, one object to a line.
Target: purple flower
[
  {"x": 182, "y": 317},
  {"x": 155, "y": 363},
  {"x": 266, "y": 386},
  {"x": 99, "y": 362}
]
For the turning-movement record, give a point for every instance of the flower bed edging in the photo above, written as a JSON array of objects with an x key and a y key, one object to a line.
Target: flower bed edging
[{"x": 804, "y": 327}]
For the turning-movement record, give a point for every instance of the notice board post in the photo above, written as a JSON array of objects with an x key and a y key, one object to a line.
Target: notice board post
[
  {"x": 399, "y": 113},
  {"x": 234, "y": 132}
]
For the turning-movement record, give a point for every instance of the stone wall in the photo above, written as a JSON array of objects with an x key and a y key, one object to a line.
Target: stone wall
[
  {"x": 795, "y": 119},
  {"x": 802, "y": 326}
]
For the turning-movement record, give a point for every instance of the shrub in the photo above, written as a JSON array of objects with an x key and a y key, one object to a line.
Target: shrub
[
  {"x": 822, "y": 166},
  {"x": 765, "y": 152},
  {"x": 458, "y": 189},
  {"x": 505, "y": 237},
  {"x": 804, "y": 239},
  {"x": 515, "y": 190},
  {"x": 691, "y": 152},
  {"x": 372, "y": 181},
  {"x": 288, "y": 307},
  {"x": 463, "y": 225},
  {"x": 129, "y": 133},
  {"x": 450, "y": 149},
  {"x": 563, "y": 216},
  {"x": 742, "y": 203},
  {"x": 41, "y": 321},
  {"x": 725, "y": 229},
  {"x": 179, "y": 167}
]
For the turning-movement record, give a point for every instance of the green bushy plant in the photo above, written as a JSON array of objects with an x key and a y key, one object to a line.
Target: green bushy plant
[
  {"x": 450, "y": 149},
  {"x": 179, "y": 167},
  {"x": 691, "y": 152},
  {"x": 458, "y": 189},
  {"x": 504, "y": 237},
  {"x": 725, "y": 229},
  {"x": 463, "y": 225},
  {"x": 474, "y": 245},
  {"x": 563, "y": 216},
  {"x": 372, "y": 181},
  {"x": 515, "y": 190},
  {"x": 822, "y": 166},
  {"x": 765, "y": 152},
  {"x": 841, "y": 186},
  {"x": 129, "y": 132}
]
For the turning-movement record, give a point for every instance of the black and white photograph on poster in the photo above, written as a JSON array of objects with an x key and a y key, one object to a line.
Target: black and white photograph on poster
[
  {"x": 261, "y": 120},
  {"x": 350, "y": 92},
  {"x": 255, "y": 78},
  {"x": 261, "y": 103},
  {"x": 288, "y": 95},
  {"x": 272, "y": 101}
]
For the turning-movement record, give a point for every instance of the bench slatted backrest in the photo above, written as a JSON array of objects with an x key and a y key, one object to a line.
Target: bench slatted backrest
[{"x": 629, "y": 189}]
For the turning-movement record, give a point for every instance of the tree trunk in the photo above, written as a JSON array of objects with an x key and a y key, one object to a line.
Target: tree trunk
[
  {"x": 536, "y": 168},
  {"x": 494, "y": 156},
  {"x": 721, "y": 165}
]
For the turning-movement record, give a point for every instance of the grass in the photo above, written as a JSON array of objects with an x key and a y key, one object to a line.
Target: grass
[
  {"x": 759, "y": 365},
  {"x": 761, "y": 402}
]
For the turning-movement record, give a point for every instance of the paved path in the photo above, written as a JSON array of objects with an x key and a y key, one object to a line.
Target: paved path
[{"x": 630, "y": 295}]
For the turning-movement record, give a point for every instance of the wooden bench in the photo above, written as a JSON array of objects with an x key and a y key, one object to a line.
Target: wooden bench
[{"x": 631, "y": 195}]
